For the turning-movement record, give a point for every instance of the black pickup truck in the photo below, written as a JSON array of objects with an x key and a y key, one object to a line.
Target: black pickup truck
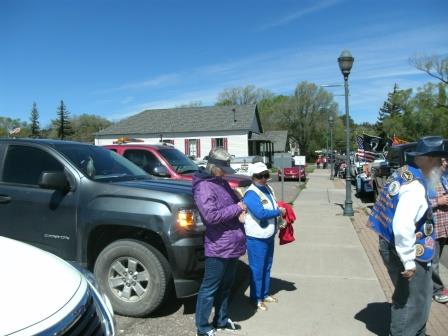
[
  {"x": 396, "y": 158},
  {"x": 87, "y": 204}
]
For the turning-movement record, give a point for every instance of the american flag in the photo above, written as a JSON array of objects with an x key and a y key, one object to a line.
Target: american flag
[{"x": 364, "y": 151}]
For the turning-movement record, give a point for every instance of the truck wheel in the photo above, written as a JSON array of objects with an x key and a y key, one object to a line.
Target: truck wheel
[{"x": 134, "y": 275}]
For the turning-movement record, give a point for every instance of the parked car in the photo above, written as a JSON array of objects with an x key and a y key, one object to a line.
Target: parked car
[
  {"x": 44, "y": 295},
  {"x": 241, "y": 164},
  {"x": 293, "y": 173},
  {"x": 140, "y": 235},
  {"x": 163, "y": 160}
]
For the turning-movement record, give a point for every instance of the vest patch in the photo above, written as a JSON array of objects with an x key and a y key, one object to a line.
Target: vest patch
[
  {"x": 394, "y": 188},
  {"x": 419, "y": 250}
]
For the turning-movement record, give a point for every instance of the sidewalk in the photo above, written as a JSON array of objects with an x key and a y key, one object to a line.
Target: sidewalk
[{"x": 325, "y": 281}]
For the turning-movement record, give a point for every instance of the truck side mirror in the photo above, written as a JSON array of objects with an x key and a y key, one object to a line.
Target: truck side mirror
[
  {"x": 160, "y": 171},
  {"x": 54, "y": 180}
]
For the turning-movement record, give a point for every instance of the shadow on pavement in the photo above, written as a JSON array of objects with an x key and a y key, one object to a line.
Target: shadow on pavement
[
  {"x": 241, "y": 307},
  {"x": 376, "y": 317},
  {"x": 279, "y": 285},
  {"x": 173, "y": 304}
]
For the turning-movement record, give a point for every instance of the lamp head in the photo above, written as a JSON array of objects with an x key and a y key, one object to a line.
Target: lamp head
[{"x": 345, "y": 61}]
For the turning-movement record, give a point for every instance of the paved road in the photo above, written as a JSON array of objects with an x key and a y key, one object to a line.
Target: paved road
[{"x": 176, "y": 317}]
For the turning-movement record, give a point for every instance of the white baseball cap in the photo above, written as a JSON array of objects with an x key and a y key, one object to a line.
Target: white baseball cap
[{"x": 257, "y": 168}]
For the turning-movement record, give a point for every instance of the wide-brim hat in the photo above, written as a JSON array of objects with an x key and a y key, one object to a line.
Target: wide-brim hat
[
  {"x": 430, "y": 146},
  {"x": 223, "y": 164}
]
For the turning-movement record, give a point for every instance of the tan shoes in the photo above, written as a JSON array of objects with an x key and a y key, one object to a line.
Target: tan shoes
[
  {"x": 261, "y": 306},
  {"x": 270, "y": 299}
]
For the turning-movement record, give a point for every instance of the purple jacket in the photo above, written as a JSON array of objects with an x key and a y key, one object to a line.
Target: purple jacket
[{"x": 217, "y": 204}]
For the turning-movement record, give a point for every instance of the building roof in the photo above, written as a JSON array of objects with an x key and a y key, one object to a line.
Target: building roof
[
  {"x": 189, "y": 119},
  {"x": 278, "y": 138}
]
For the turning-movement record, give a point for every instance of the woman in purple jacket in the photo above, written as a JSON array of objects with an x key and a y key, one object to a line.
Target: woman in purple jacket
[{"x": 222, "y": 213}]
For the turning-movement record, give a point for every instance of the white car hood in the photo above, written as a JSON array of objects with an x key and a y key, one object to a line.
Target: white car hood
[{"x": 35, "y": 285}]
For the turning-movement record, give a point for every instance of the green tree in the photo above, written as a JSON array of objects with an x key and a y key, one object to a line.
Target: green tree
[
  {"x": 305, "y": 116},
  {"x": 62, "y": 124},
  {"x": 7, "y": 124},
  {"x": 269, "y": 109},
  {"x": 390, "y": 119},
  {"x": 86, "y": 125},
  {"x": 242, "y": 95},
  {"x": 34, "y": 118},
  {"x": 391, "y": 108}
]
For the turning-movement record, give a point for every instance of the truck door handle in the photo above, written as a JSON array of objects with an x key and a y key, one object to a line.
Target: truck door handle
[{"x": 5, "y": 199}]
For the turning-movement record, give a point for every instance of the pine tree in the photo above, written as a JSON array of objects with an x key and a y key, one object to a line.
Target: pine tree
[
  {"x": 391, "y": 108},
  {"x": 63, "y": 123},
  {"x": 34, "y": 118}
]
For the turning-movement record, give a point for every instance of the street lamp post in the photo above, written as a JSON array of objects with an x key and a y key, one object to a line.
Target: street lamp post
[
  {"x": 345, "y": 61},
  {"x": 331, "y": 124}
]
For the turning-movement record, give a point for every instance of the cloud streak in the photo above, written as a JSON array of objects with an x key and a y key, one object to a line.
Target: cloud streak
[
  {"x": 316, "y": 7},
  {"x": 381, "y": 59}
]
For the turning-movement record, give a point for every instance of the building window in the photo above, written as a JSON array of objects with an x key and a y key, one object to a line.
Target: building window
[
  {"x": 219, "y": 143},
  {"x": 193, "y": 148}
]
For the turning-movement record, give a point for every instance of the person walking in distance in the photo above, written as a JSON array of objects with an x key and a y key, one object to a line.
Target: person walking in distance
[
  {"x": 440, "y": 209},
  {"x": 403, "y": 219},
  {"x": 223, "y": 216},
  {"x": 260, "y": 227}
]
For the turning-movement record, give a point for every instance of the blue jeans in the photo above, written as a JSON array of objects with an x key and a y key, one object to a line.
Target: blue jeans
[
  {"x": 411, "y": 301},
  {"x": 260, "y": 253},
  {"x": 214, "y": 292}
]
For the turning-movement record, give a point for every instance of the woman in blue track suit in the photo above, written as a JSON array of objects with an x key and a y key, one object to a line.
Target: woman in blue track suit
[{"x": 260, "y": 226}]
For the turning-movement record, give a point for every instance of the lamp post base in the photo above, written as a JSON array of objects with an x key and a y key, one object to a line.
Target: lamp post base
[{"x": 348, "y": 209}]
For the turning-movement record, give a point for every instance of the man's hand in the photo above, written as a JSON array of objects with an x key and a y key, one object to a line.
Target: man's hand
[
  {"x": 442, "y": 200},
  {"x": 408, "y": 274}
]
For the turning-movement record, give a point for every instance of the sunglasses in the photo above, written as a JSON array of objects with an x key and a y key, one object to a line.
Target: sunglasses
[{"x": 262, "y": 175}]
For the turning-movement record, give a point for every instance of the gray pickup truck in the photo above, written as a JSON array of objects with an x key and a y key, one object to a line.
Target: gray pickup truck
[{"x": 87, "y": 204}]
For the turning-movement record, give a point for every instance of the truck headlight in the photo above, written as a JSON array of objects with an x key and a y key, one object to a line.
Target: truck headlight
[{"x": 189, "y": 219}]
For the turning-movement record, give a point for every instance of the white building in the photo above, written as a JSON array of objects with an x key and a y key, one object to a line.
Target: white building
[{"x": 196, "y": 130}]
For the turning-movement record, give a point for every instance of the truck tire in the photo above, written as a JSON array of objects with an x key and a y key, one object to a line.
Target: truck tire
[
  {"x": 375, "y": 193},
  {"x": 134, "y": 275}
]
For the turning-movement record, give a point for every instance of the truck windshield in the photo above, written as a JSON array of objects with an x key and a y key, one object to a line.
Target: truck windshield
[
  {"x": 98, "y": 163},
  {"x": 180, "y": 163}
]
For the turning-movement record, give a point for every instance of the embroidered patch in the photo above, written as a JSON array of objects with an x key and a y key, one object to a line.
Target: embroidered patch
[
  {"x": 429, "y": 243},
  {"x": 418, "y": 235},
  {"x": 428, "y": 228},
  {"x": 394, "y": 188},
  {"x": 264, "y": 201},
  {"x": 407, "y": 176},
  {"x": 419, "y": 250}
]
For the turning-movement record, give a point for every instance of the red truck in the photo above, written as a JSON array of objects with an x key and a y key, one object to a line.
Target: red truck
[{"x": 163, "y": 160}]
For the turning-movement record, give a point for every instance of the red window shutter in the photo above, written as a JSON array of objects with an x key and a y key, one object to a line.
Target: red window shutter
[
  {"x": 213, "y": 143},
  {"x": 198, "y": 148},
  {"x": 187, "y": 149},
  {"x": 225, "y": 143}
]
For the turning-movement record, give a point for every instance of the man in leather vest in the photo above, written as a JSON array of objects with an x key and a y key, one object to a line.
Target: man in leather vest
[{"x": 402, "y": 218}]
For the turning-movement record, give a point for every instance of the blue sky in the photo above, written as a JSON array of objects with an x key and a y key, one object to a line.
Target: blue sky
[{"x": 116, "y": 58}]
